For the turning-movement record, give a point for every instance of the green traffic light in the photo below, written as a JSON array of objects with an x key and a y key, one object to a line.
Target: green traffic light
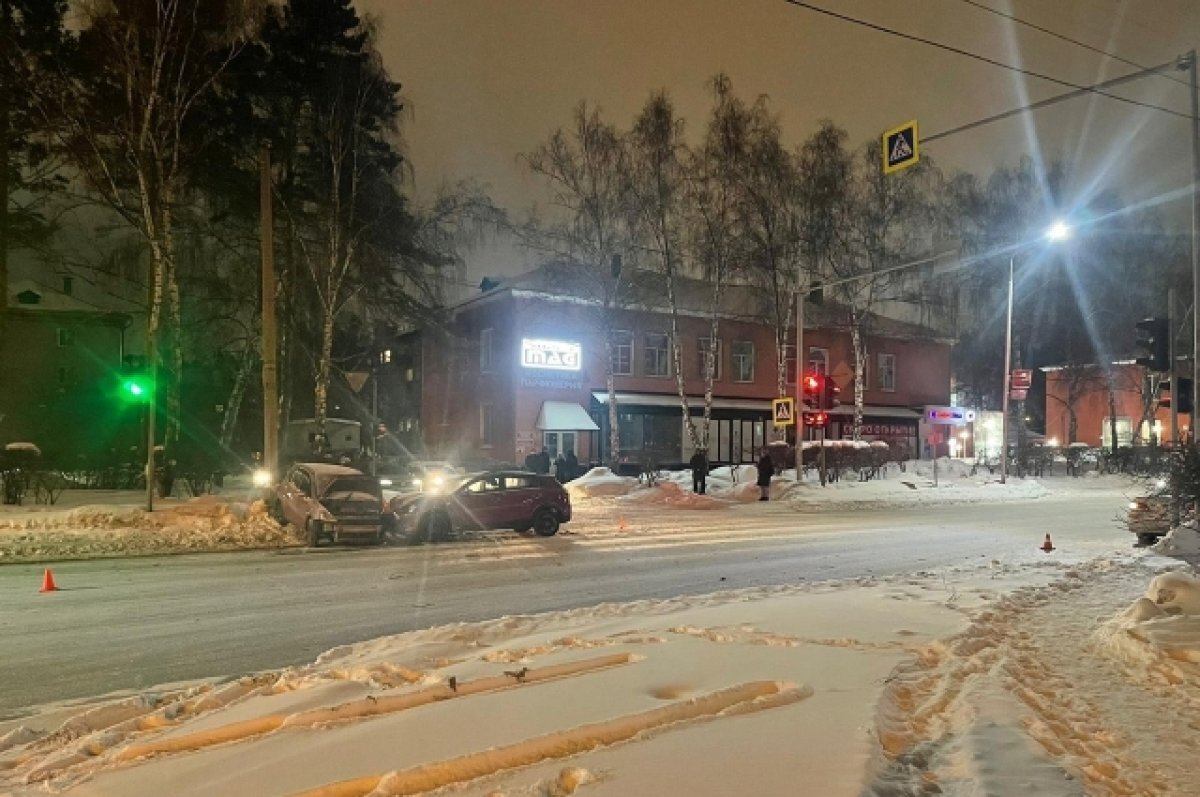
[{"x": 136, "y": 389}]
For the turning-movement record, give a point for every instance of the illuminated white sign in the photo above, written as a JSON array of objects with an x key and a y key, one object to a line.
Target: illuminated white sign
[{"x": 553, "y": 355}]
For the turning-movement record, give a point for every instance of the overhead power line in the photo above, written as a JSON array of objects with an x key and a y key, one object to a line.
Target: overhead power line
[
  {"x": 1057, "y": 35},
  {"x": 975, "y": 56}
]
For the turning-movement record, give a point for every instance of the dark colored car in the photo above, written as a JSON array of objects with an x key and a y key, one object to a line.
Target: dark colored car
[
  {"x": 501, "y": 499},
  {"x": 330, "y": 502}
]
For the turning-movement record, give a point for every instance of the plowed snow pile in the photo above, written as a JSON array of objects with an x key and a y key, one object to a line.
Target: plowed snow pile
[{"x": 206, "y": 523}]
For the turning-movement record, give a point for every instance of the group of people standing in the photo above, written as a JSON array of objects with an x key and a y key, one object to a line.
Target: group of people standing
[
  {"x": 765, "y": 467},
  {"x": 565, "y": 466}
]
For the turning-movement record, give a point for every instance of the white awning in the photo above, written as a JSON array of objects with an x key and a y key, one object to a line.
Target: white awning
[
  {"x": 565, "y": 416},
  {"x": 672, "y": 400}
]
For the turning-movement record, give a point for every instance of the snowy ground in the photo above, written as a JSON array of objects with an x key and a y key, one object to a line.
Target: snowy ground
[
  {"x": 89, "y": 524},
  {"x": 1029, "y": 674}
]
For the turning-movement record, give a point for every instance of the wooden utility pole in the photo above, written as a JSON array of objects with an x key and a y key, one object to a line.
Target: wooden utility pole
[{"x": 270, "y": 364}]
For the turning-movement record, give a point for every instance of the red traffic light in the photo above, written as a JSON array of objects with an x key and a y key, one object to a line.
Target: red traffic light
[{"x": 817, "y": 419}]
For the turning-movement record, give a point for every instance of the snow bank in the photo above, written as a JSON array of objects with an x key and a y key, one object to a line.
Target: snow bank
[
  {"x": 1158, "y": 637},
  {"x": 206, "y": 523},
  {"x": 1180, "y": 541},
  {"x": 670, "y": 494},
  {"x": 599, "y": 482},
  {"x": 947, "y": 468}
]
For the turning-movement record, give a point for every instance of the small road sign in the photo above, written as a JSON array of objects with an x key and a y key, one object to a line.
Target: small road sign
[
  {"x": 1022, "y": 379},
  {"x": 900, "y": 147},
  {"x": 783, "y": 410}
]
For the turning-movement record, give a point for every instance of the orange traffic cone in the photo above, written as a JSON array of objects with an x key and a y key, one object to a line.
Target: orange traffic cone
[
  {"x": 48, "y": 584},
  {"x": 1047, "y": 546},
  {"x": 621, "y": 524}
]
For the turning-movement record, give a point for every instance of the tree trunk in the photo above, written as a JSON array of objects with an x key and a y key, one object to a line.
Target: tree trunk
[
  {"x": 233, "y": 406},
  {"x": 781, "y": 343},
  {"x": 175, "y": 386},
  {"x": 1112, "y": 412},
  {"x": 614, "y": 428},
  {"x": 860, "y": 360},
  {"x": 1072, "y": 425},
  {"x": 710, "y": 362},
  {"x": 324, "y": 368},
  {"x": 677, "y": 360}
]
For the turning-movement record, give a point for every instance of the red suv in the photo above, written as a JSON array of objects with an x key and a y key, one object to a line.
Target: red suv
[{"x": 493, "y": 500}]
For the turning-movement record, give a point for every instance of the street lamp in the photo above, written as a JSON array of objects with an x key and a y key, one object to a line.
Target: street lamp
[{"x": 1056, "y": 233}]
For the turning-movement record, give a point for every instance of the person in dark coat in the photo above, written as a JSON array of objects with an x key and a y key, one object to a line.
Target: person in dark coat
[
  {"x": 572, "y": 465},
  {"x": 560, "y": 469},
  {"x": 766, "y": 469},
  {"x": 699, "y": 463},
  {"x": 544, "y": 461}
]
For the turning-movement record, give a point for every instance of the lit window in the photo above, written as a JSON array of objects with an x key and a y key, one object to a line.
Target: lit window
[
  {"x": 656, "y": 357},
  {"x": 887, "y": 372},
  {"x": 743, "y": 360},
  {"x": 409, "y": 375},
  {"x": 703, "y": 347},
  {"x": 622, "y": 352},
  {"x": 385, "y": 356},
  {"x": 485, "y": 351}
]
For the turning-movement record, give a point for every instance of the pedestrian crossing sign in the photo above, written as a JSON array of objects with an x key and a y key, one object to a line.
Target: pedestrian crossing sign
[
  {"x": 900, "y": 147},
  {"x": 784, "y": 411}
]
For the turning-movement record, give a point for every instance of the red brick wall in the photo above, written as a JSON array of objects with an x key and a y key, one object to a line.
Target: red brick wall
[
  {"x": 454, "y": 387},
  {"x": 1091, "y": 408}
]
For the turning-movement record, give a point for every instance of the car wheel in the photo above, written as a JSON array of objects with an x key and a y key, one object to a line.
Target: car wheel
[
  {"x": 545, "y": 522},
  {"x": 312, "y": 534},
  {"x": 1147, "y": 539}
]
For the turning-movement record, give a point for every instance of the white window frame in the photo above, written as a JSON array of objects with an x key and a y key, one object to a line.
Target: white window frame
[
  {"x": 486, "y": 358},
  {"x": 823, "y": 360},
  {"x": 622, "y": 339},
  {"x": 666, "y": 354},
  {"x": 700, "y": 358},
  {"x": 735, "y": 361},
  {"x": 890, "y": 359}
]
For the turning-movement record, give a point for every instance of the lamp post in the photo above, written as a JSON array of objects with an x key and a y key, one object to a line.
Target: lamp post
[{"x": 1057, "y": 232}]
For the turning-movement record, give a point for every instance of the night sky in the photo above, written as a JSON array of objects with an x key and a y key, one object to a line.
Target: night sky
[{"x": 486, "y": 80}]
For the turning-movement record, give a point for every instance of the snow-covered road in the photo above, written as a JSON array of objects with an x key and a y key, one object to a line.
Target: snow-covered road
[{"x": 125, "y": 624}]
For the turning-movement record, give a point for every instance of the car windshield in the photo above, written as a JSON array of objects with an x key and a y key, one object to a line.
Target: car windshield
[{"x": 344, "y": 486}]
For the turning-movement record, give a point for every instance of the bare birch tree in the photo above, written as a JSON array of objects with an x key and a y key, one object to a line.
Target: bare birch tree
[{"x": 586, "y": 167}]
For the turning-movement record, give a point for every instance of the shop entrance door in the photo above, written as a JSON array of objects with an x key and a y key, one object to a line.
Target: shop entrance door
[{"x": 558, "y": 443}]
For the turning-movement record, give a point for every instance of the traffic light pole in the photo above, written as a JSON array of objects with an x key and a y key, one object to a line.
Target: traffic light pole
[
  {"x": 270, "y": 346},
  {"x": 1007, "y": 377},
  {"x": 1191, "y": 65},
  {"x": 798, "y": 412}
]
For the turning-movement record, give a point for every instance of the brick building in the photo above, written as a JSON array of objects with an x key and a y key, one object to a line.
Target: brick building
[
  {"x": 1078, "y": 396},
  {"x": 523, "y": 368}
]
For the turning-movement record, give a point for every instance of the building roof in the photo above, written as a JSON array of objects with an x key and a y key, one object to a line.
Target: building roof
[
  {"x": 565, "y": 281},
  {"x": 48, "y": 299}
]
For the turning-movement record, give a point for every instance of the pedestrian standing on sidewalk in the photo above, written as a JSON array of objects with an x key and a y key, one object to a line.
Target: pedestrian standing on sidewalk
[
  {"x": 766, "y": 469},
  {"x": 699, "y": 463}
]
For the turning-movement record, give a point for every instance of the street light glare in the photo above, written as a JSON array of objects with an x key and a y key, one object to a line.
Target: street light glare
[{"x": 1058, "y": 231}]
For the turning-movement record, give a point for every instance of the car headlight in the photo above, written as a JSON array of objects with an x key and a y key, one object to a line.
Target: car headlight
[
  {"x": 385, "y": 482},
  {"x": 1133, "y": 504},
  {"x": 417, "y": 482},
  {"x": 262, "y": 478}
]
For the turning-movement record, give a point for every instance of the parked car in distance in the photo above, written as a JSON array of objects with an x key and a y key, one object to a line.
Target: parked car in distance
[
  {"x": 499, "y": 499},
  {"x": 1149, "y": 517},
  {"x": 330, "y": 502}
]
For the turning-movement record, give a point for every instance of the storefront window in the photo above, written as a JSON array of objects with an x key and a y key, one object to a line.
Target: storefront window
[
  {"x": 657, "y": 357},
  {"x": 743, "y": 361}
]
